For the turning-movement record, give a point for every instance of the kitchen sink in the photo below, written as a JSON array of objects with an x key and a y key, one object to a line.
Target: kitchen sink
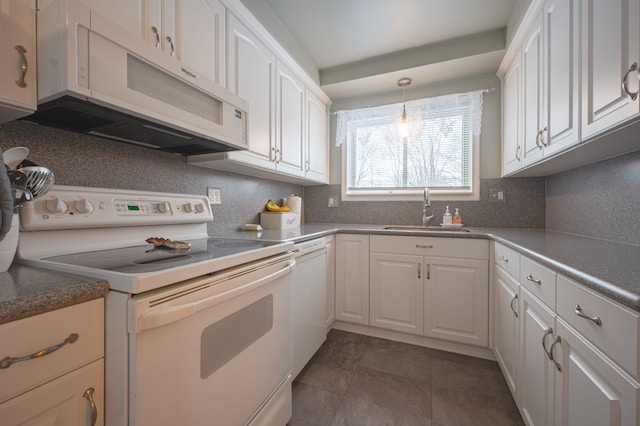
[{"x": 424, "y": 228}]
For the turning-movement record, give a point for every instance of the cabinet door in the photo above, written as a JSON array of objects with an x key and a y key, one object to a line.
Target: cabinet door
[
  {"x": 352, "y": 278},
  {"x": 396, "y": 292},
  {"x": 199, "y": 37},
  {"x": 316, "y": 146},
  {"x": 532, "y": 66},
  {"x": 129, "y": 14},
  {"x": 590, "y": 388},
  {"x": 456, "y": 300},
  {"x": 17, "y": 48},
  {"x": 506, "y": 310},
  {"x": 61, "y": 401},
  {"x": 289, "y": 116},
  {"x": 331, "y": 281},
  {"x": 252, "y": 76},
  {"x": 512, "y": 118},
  {"x": 610, "y": 45},
  {"x": 535, "y": 374},
  {"x": 561, "y": 75}
]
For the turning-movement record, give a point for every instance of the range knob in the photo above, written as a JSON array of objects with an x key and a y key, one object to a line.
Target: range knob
[
  {"x": 56, "y": 205},
  {"x": 83, "y": 206},
  {"x": 199, "y": 208},
  {"x": 164, "y": 207},
  {"x": 187, "y": 207}
]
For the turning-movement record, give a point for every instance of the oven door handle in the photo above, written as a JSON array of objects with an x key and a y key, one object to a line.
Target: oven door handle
[{"x": 168, "y": 314}]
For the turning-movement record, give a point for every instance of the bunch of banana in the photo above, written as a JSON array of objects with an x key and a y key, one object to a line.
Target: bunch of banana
[{"x": 273, "y": 207}]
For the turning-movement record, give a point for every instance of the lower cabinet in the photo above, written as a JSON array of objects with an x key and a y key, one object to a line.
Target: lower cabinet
[
  {"x": 352, "y": 278},
  {"x": 506, "y": 312},
  {"x": 330, "y": 314}
]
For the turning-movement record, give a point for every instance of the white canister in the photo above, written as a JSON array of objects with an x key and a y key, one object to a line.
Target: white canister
[{"x": 295, "y": 203}]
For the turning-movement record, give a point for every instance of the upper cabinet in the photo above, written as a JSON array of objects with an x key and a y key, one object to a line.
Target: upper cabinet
[
  {"x": 192, "y": 31},
  {"x": 18, "y": 59},
  {"x": 288, "y": 114},
  {"x": 564, "y": 79}
]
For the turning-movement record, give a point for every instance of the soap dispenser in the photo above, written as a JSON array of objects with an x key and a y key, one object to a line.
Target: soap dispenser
[
  {"x": 446, "y": 219},
  {"x": 457, "y": 219}
]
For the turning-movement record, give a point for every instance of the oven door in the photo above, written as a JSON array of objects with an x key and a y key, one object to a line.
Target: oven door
[{"x": 214, "y": 350}]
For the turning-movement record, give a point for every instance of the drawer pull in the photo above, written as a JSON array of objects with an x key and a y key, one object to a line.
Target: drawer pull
[
  {"x": 632, "y": 95},
  {"x": 419, "y": 270},
  {"x": 515, "y": 298},
  {"x": 8, "y": 361},
  {"x": 24, "y": 66},
  {"x": 544, "y": 337},
  {"x": 423, "y": 246},
  {"x": 88, "y": 394},
  {"x": 504, "y": 259},
  {"x": 558, "y": 340},
  {"x": 154, "y": 30},
  {"x": 533, "y": 280},
  {"x": 579, "y": 312}
]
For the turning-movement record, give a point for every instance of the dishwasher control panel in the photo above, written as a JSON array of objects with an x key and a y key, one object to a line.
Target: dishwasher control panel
[{"x": 71, "y": 207}]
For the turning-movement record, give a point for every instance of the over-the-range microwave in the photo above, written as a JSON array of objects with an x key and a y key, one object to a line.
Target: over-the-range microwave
[{"x": 95, "y": 78}]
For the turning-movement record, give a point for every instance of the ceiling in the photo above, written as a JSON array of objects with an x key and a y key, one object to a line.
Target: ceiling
[{"x": 365, "y": 46}]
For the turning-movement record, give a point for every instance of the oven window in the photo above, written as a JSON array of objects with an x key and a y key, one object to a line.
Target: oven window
[{"x": 223, "y": 340}]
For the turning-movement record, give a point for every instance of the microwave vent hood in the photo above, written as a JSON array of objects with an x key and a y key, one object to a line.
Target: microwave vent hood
[{"x": 82, "y": 116}]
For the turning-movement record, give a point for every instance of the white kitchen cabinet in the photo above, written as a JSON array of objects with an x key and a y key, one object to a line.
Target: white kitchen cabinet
[
  {"x": 506, "y": 315},
  {"x": 330, "y": 315},
  {"x": 589, "y": 388},
  {"x": 290, "y": 103},
  {"x": 512, "y": 118},
  {"x": 316, "y": 147},
  {"x": 192, "y": 31},
  {"x": 352, "y": 278},
  {"x": 610, "y": 48},
  {"x": 535, "y": 368},
  {"x": 64, "y": 386},
  {"x": 18, "y": 95},
  {"x": 397, "y": 292},
  {"x": 550, "y": 72}
]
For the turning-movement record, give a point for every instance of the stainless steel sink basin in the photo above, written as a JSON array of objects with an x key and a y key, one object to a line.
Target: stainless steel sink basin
[{"x": 424, "y": 228}]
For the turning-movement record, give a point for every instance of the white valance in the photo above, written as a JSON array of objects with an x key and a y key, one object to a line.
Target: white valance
[{"x": 414, "y": 108}]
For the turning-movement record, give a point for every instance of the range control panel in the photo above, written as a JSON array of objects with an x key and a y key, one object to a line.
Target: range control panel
[{"x": 71, "y": 207}]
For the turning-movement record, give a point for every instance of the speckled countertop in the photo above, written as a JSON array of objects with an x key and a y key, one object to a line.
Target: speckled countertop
[
  {"x": 26, "y": 291},
  {"x": 610, "y": 268}
]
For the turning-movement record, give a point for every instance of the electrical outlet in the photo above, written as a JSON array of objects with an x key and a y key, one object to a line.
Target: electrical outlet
[
  {"x": 496, "y": 196},
  {"x": 214, "y": 195},
  {"x": 334, "y": 201}
]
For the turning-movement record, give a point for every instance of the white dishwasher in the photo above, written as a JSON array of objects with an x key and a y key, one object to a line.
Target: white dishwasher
[{"x": 309, "y": 300}]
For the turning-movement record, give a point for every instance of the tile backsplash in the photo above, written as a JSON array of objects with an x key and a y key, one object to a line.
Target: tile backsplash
[
  {"x": 524, "y": 207},
  {"x": 83, "y": 160}
]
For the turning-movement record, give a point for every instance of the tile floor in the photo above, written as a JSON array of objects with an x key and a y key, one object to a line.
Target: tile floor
[{"x": 360, "y": 380}]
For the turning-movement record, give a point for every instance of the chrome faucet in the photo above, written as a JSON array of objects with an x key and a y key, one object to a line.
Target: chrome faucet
[{"x": 427, "y": 203}]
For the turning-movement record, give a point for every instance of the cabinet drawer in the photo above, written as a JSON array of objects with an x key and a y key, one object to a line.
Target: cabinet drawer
[
  {"x": 30, "y": 335},
  {"x": 539, "y": 280},
  {"x": 617, "y": 333},
  {"x": 431, "y": 246},
  {"x": 507, "y": 259}
]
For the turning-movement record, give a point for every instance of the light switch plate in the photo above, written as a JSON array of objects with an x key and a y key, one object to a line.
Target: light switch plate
[
  {"x": 214, "y": 195},
  {"x": 496, "y": 196}
]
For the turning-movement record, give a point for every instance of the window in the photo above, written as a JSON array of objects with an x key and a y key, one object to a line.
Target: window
[{"x": 438, "y": 149}]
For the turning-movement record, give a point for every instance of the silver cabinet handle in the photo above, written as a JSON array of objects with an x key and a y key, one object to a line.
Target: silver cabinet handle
[
  {"x": 538, "y": 139},
  {"x": 541, "y": 138},
  {"x": 24, "y": 66},
  {"x": 88, "y": 394},
  {"x": 154, "y": 30},
  {"x": 307, "y": 166},
  {"x": 428, "y": 271},
  {"x": 533, "y": 280},
  {"x": 419, "y": 270},
  {"x": 504, "y": 259},
  {"x": 8, "y": 361},
  {"x": 632, "y": 95},
  {"x": 557, "y": 364},
  {"x": 515, "y": 298},
  {"x": 579, "y": 312},
  {"x": 518, "y": 153},
  {"x": 544, "y": 337},
  {"x": 170, "y": 41},
  {"x": 423, "y": 246}
]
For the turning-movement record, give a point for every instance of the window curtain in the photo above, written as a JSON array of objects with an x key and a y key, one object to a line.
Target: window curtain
[{"x": 414, "y": 108}]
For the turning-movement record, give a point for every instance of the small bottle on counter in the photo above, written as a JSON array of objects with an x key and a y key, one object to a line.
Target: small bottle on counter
[
  {"x": 457, "y": 219},
  {"x": 446, "y": 219}
]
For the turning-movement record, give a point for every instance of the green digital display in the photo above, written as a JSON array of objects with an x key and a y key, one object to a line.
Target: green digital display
[{"x": 133, "y": 208}]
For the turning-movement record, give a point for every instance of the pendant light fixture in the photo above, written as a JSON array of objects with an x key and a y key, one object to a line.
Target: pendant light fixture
[{"x": 404, "y": 123}]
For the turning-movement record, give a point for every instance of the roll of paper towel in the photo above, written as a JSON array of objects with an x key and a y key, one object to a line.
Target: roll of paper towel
[{"x": 295, "y": 203}]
